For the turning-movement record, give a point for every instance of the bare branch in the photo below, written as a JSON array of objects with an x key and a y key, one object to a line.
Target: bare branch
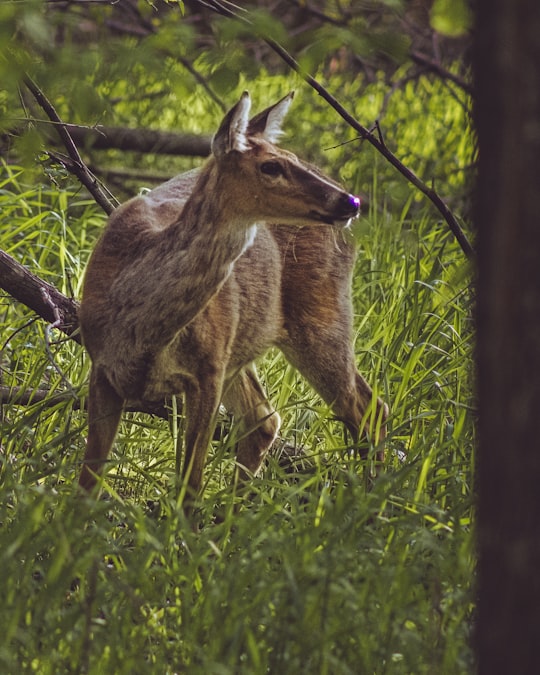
[
  {"x": 76, "y": 164},
  {"x": 430, "y": 193},
  {"x": 441, "y": 71}
]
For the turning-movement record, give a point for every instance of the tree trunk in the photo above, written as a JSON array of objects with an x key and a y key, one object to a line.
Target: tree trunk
[{"x": 507, "y": 74}]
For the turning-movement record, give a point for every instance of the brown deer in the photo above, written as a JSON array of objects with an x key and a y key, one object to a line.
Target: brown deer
[{"x": 191, "y": 282}]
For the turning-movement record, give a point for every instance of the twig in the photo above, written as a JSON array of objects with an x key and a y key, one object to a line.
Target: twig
[
  {"x": 57, "y": 323},
  {"x": 441, "y": 71},
  {"x": 379, "y": 131},
  {"x": 76, "y": 164},
  {"x": 201, "y": 80},
  {"x": 223, "y": 8},
  {"x": 22, "y": 328}
]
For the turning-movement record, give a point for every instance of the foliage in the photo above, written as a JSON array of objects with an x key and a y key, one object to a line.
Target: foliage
[
  {"x": 317, "y": 569},
  {"x": 451, "y": 17},
  {"x": 143, "y": 67}
]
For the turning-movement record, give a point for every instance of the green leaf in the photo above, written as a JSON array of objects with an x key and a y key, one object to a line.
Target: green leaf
[
  {"x": 224, "y": 79},
  {"x": 451, "y": 17}
]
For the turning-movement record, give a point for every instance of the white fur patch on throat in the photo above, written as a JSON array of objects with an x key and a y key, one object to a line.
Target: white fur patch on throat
[{"x": 250, "y": 236}]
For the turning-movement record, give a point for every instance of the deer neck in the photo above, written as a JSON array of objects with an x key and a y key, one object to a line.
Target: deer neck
[
  {"x": 212, "y": 228},
  {"x": 186, "y": 265}
]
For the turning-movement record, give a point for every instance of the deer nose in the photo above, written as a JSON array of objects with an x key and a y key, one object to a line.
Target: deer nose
[{"x": 350, "y": 205}]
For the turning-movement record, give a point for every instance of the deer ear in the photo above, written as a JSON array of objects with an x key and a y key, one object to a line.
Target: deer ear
[
  {"x": 231, "y": 134},
  {"x": 267, "y": 123}
]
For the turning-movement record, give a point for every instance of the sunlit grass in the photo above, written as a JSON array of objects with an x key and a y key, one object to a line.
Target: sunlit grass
[{"x": 317, "y": 570}]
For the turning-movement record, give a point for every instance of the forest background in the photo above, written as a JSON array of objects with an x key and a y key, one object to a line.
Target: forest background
[{"x": 321, "y": 571}]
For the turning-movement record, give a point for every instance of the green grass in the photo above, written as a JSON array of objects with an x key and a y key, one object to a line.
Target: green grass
[{"x": 316, "y": 571}]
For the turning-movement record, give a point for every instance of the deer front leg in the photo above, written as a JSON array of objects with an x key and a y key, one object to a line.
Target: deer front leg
[
  {"x": 104, "y": 412},
  {"x": 202, "y": 403},
  {"x": 245, "y": 398}
]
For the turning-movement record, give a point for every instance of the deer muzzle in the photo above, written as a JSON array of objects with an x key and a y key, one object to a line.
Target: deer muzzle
[{"x": 345, "y": 209}]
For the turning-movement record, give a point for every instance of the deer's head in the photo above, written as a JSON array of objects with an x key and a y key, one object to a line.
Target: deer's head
[{"x": 267, "y": 183}]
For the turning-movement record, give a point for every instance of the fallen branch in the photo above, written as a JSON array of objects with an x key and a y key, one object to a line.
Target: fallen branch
[
  {"x": 27, "y": 397},
  {"x": 140, "y": 140},
  {"x": 40, "y": 296}
]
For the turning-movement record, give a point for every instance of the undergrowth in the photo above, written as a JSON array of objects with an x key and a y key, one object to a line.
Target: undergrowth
[{"x": 318, "y": 569}]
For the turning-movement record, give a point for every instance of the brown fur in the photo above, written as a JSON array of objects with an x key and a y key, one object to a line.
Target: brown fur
[{"x": 176, "y": 300}]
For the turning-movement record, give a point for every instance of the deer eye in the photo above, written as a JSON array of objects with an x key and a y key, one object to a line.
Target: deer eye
[{"x": 272, "y": 169}]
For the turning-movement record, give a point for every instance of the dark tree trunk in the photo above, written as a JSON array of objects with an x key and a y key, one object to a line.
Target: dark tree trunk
[{"x": 507, "y": 74}]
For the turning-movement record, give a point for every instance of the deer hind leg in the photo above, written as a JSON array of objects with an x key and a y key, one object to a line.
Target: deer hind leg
[
  {"x": 104, "y": 412},
  {"x": 327, "y": 362},
  {"x": 245, "y": 398}
]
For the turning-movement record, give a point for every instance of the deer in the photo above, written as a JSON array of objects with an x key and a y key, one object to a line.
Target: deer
[{"x": 190, "y": 283}]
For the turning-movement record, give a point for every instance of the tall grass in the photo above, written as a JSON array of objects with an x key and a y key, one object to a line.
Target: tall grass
[{"x": 317, "y": 570}]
